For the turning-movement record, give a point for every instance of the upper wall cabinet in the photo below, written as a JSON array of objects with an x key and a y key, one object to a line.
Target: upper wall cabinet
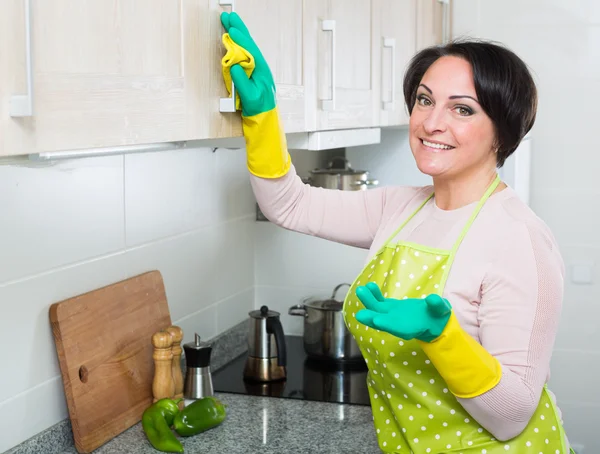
[
  {"x": 92, "y": 73},
  {"x": 276, "y": 26},
  {"x": 433, "y": 22},
  {"x": 338, "y": 65},
  {"x": 394, "y": 44},
  {"x": 100, "y": 73}
]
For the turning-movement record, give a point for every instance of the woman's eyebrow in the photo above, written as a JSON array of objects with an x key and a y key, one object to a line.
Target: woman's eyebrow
[
  {"x": 463, "y": 96},
  {"x": 426, "y": 88},
  {"x": 450, "y": 97}
]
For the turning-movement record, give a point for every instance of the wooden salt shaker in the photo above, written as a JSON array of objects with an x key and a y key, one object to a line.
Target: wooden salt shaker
[
  {"x": 177, "y": 334},
  {"x": 163, "y": 384}
]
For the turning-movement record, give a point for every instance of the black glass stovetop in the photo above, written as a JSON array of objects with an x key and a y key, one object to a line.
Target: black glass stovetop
[{"x": 307, "y": 378}]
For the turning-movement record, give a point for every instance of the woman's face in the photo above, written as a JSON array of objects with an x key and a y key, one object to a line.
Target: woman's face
[{"x": 450, "y": 134}]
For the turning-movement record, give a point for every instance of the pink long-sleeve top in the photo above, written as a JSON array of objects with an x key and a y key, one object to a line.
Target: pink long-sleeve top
[{"x": 505, "y": 286}]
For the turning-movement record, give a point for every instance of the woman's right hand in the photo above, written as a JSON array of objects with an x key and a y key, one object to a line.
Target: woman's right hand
[{"x": 266, "y": 146}]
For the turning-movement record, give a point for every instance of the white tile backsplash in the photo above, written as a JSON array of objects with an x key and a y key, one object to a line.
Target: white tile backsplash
[
  {"x": 188, "y": 214},
  {"x": 290, "y": 259},
  {"x": 234, "y": 309},
  {"x": 55, "y": 214},
  {"x": 25, "y": 415},
  {"x": 168, "y": 193}
]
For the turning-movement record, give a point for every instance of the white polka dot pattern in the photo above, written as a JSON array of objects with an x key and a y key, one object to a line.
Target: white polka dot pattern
[{"x": 413, "y": 411}]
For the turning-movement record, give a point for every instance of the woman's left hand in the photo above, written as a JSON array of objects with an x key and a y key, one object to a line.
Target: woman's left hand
[{"x": 411, "y": 318}]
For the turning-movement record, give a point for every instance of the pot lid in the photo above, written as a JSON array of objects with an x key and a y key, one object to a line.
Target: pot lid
[
  {"x": 329, "y": 304},
  {"x": 325, "y": 305},
  {"x": 263, "y": 312},
  {"x": 338, "y": 172},
  {"x": 330, "y": 170}
]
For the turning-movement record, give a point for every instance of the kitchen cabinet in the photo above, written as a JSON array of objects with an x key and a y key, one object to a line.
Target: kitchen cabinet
[
  {"x": 394, "y": 44},
  {"x": 95, "y": 74},
  {"x": 276, "y": 27},
  {"x": 128, "y": 72},
  {"x": 433, "y": 22},
  {"x": 338, "y": 64}
]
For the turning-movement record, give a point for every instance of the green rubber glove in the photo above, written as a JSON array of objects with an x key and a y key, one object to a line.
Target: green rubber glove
[
  {"x": 413, "y": 318},
  {"x": 257, "y": 93}
]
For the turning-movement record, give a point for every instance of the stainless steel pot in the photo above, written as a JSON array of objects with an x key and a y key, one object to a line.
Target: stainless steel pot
[
  {"x": 346, "y": 179},
  {"x": 325, "y": 333}
]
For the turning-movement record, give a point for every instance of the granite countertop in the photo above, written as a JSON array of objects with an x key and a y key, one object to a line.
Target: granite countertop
[
  {"x": 254, "y": 424},
  {"x": 269, "y": 425}
]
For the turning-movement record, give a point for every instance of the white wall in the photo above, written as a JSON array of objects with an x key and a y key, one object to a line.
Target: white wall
[
  {"x": 78, "y": 225},
  {"x": 560, "y": 40}
]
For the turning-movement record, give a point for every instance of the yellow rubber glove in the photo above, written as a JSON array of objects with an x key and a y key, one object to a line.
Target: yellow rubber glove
[{"x": 244, "y": 64}]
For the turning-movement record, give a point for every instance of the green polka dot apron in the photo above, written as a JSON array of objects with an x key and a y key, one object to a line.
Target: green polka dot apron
[{"x": 413, "y": 410}]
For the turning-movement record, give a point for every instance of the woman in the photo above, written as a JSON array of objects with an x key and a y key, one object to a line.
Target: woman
[{"x": 456, "y": 311}]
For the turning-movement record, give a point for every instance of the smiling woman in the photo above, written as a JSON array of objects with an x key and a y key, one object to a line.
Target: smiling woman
[{"x": 457, "y": 307}]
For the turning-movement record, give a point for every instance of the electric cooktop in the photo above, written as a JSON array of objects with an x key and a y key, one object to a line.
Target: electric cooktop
[{"x": 307, "y": 378}]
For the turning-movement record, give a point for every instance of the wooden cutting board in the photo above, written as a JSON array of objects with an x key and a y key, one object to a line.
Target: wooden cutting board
[{"x": 104, "y": 346}]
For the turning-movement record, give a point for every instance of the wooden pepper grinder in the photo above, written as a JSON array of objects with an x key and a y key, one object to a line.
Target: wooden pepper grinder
[
  {"x": 177, "y": 334},
  {"x": 163, "y": 384}
]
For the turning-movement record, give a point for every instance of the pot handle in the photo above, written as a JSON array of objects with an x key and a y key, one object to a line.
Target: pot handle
[
  {"x": 335, "y": 290},
  {"x": 274, "y": 327},
  {"x": 347, "y": 165},
  {"x": 297, "y": 309},
  {"x": 366, "y": 182}
]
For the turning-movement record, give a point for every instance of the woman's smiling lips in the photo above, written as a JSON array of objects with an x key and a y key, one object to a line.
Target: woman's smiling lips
[{"x": 435, "y": 146}]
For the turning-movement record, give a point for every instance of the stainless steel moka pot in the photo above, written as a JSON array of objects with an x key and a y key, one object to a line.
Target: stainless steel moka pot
[
  {"x": 266, "y": 347},
  {"x": 198, "y": 378}
]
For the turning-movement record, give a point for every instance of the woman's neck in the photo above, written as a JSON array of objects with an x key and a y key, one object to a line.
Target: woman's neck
[{"x": 454, "y": 193}]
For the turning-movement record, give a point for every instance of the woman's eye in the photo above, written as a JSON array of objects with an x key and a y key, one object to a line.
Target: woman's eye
[
  {"x": 463, "y": 111},
  {"x": 423, "y": 100}
]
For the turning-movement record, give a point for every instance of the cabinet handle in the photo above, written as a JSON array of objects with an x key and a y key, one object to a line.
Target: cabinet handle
[
  {"x": 228, "y": 104},
  {"x": 22, "y": 105},
  {"x": 391, "y": 44},
  {"x": 329, "y": 26},
  {"x": 445, "y": 20}
]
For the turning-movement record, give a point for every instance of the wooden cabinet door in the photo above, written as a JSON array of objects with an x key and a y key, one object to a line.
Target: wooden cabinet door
[
  {"x": 394, "y": 44},
  {"x": 276, "y": 27},
  {"x": 338, "y": 69},
  {"x": 104, "y": 73}
]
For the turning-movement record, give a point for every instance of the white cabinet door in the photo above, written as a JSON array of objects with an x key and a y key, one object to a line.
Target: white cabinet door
[
  {"x": 433, "y": 22},
  {"x": 394, "y": 44},
  {"x": 338, "y": 68},
  {"x": 103, "y": 73},
  {"x": 276, "y": 27}
]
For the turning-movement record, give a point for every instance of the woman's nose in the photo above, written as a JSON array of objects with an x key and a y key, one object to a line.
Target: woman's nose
[{"x": 435, "y": 121}]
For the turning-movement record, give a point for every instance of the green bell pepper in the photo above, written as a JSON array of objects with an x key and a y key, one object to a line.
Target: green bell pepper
[
  {"x": 157, "y": 421},
  {"x": 199, "y": 416}
]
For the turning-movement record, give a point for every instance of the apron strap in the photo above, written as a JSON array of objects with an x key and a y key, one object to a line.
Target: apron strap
[
  {"x": 393, "y": 235},
  {"x": 476, "y": 211},
  {"x": 486, "y": 196}
]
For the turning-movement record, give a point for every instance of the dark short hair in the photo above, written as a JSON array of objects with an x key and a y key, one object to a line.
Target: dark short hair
[{"x": 504, "y": 86}]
